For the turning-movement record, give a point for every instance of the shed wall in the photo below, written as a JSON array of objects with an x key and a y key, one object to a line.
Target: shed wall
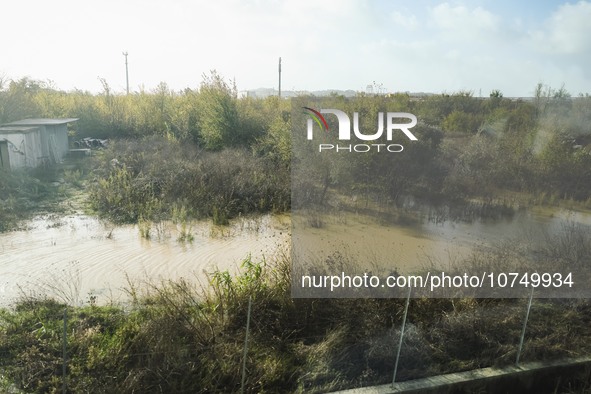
[
  {"x": 58, "y": 140},
  {"x": 24, "y": 149},
  {"x": 4, "y": 158}
]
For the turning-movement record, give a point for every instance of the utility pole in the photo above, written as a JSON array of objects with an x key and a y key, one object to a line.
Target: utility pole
[
  {"x": 126, "y": 72},
  {"x": 279, "y": 77}
]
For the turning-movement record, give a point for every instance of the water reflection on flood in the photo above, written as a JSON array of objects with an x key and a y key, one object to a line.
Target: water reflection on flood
[
  {"x": 55, "y": 252},
  {"x": 414, "y": 243}
]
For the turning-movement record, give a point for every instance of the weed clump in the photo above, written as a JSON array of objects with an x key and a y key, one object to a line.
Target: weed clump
[
  {"x": 157, "y": 178},
  {"x": 25, "y": 192}
]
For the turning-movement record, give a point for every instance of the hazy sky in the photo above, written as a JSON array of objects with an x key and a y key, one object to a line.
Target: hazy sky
[{"x": 423, "y": 45}]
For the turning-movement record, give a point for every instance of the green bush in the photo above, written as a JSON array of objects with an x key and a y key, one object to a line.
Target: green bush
[{"x": 149, "y": 178}]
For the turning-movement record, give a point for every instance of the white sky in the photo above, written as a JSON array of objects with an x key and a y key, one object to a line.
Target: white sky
[{"x": 424, "y": 45}]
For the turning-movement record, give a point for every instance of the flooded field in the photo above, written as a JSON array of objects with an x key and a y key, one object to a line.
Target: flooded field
[
  {"x": 77, "y": 257},
  {"x": 407, "y": 245},
  {"x": 414, "y": 243},
  {"x": 81, "y": 256}
]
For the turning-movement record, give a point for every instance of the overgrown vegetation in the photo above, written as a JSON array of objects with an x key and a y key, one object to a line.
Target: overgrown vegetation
[
  {"x": 206, "y": 153},
  {"x": 495, "y": 150},
  {"x": 151, "y": 178},
  {"x": 204, "y": 149},
  {"x": 24, "y": 193},
  {"x": 521, "y": 147},
  {"x": 177, "y": 337}
]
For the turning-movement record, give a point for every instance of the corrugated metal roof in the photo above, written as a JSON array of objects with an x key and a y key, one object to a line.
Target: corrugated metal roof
[{"x": 40, "y": 122}]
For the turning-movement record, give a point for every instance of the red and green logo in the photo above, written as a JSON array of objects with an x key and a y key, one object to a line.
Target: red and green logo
[{"x": 318, "y": 118}]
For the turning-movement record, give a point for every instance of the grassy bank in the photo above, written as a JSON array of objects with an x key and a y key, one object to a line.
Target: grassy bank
[{"x": 179, "y": 337}]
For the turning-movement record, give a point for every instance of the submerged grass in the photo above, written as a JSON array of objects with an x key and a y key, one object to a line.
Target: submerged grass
[
  {"x": 26, "y": 193},
  {"x": 20, "y": 192}
]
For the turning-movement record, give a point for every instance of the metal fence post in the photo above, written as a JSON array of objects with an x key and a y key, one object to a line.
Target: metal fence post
[
  {"x": 531, "y": 296},
  {"x": 65, "y": 351},
  {"x": 401, "y": 336},
  {"x": 245, "y": 345}
]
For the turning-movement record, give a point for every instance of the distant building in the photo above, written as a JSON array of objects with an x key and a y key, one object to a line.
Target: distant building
[{"x": 33, "y": 142}]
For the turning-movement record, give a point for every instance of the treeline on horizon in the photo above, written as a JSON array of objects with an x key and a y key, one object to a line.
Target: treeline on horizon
[
  {"x": 468, "y": 147},
  {"x": 212, "y": 115}
]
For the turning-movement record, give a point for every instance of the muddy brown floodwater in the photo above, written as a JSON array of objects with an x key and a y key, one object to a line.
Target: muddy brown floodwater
[
  {"x": 80, "y": 256},
  {"x": 350, "y": 244}
]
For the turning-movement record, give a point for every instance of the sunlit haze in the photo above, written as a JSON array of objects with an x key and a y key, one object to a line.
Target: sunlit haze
[{"x": 422, "y": 46}]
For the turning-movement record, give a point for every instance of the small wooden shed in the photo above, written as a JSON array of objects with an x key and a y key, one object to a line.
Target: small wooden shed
[{"x": 33, "y": 142}]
